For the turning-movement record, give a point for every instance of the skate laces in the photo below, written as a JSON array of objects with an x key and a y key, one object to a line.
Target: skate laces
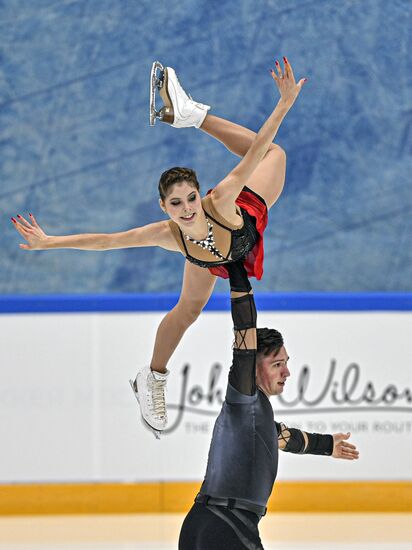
[{"x": 157, "y": 388}]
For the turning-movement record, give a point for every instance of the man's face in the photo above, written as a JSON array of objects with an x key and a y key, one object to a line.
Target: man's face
[{"x": 272, "y": 372}]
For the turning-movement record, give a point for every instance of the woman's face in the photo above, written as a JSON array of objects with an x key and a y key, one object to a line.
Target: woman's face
[{"x": 182, "y": 204}]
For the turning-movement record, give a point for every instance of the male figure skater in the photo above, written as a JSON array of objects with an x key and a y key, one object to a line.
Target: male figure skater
[{"x": 243, "y": 455}]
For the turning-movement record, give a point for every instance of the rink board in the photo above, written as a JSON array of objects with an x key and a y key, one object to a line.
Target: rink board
[{"x": 71, "y": 419}]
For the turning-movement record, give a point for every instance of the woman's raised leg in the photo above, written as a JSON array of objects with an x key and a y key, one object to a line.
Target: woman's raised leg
[
  {"x": 198, "y": 284},
  {"x": 269, "y": 177},
  {"x": 234, "y": 137}
]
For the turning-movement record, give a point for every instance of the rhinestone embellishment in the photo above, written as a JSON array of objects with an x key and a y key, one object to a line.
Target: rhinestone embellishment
[{"x": 208, "y": 243}]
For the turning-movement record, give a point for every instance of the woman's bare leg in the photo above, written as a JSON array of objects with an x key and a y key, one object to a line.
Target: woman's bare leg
[
  {"x": 234, "y": 137},
  {"x": 198, "y": 284},
  {"x": 269, "y": 177}
]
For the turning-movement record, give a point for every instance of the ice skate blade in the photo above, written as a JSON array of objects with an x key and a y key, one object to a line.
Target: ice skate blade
[
  {"x": 131, "y": 382},
  {"x": 156, "y": 83},
  {"x": 155, "y": 432}
]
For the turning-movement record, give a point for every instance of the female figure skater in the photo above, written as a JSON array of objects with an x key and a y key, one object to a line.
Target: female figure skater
[{"x": 225, "y": 226}]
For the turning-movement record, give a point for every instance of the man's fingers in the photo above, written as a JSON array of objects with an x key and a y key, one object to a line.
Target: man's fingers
[
  {"x": 341, "y": 436},
  {"x": 348, "y": 445},
  {"x": 25, "y": 246},
  {"x": 349, "y": 453},
  {"x": 345, "y": 450},
  {"x": 349, "y": 456}
]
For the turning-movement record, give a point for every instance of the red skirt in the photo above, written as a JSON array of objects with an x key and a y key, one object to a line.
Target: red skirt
[{"x": 256, "y": 207}]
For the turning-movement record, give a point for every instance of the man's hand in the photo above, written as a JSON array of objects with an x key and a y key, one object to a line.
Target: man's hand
[{"x": 342, "y": 449}]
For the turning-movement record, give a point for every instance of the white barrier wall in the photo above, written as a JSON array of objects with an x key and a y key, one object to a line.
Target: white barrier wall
[{"x": 68, "y": 413}]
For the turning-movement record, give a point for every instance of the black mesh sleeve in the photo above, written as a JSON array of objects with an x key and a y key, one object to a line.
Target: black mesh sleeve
[
  {"x": 242, "y": 375},
  {"x": 243, "y": 312}
]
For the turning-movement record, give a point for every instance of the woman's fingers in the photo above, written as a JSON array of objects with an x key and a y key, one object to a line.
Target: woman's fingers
[
  {"x": 301, "y": 82},
  {"x": 288, "y": 69},
  {"x": 279, "y": 72},
  {"x": 275, "y": 78},
  {"x": 34, "y": 221},
  {"x": 23, "y": 230},
  {"x": 24, "y": 221},
  {"x": 29, "y": 224},
  {"x": 285, "y": 80}
]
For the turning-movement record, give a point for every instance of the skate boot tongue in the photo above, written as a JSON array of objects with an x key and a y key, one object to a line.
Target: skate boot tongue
[{"x": 160, "y": 375}]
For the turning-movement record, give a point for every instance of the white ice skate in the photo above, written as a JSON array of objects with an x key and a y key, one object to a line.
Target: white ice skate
[
  {"x": 149, "y": 389},
  {"x": 179, "y": 109}
]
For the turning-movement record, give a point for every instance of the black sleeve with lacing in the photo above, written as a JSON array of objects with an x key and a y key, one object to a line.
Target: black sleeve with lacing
[
  {"x": 242, "y": 375},
  {"x": 291, "y": 440}
]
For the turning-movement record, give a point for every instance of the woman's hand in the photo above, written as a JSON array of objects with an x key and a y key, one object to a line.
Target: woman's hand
[
  {"x": 344, "y": 450},
  {"x": 32, "y": 232},
  {"x": 285, "y": 81}
]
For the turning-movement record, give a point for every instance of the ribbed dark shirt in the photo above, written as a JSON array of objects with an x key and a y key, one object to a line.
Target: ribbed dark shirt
[{"x": 243, "y": 454}]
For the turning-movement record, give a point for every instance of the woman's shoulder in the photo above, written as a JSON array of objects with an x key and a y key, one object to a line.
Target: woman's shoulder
[{"x": 167, "y": 235}]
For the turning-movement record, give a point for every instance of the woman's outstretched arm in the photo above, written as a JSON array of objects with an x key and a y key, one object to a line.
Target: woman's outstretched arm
[
  {"x": 154, "y": 234},
  {"x": 228, "y": 189}
]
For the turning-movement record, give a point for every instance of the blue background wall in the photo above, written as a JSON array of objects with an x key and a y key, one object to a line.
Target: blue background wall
[{"x": 77, "y": 149}]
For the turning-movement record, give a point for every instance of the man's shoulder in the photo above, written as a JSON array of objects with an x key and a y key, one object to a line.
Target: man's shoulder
[{"x": 235, "y": 397}]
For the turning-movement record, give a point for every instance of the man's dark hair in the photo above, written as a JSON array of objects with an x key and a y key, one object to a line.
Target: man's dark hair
[
  {"x": 269, "y": 340},
  {"x": 176, "y": 175}
]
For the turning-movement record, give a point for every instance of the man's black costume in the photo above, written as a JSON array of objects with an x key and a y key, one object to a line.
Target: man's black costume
[{"x": 243, "y": 455}]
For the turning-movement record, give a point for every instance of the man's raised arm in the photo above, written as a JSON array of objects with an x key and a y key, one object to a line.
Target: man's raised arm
[{"x": 242, "y": 375}]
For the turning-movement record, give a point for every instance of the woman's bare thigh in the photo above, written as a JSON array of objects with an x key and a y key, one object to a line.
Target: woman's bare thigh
[
  {"x": 269, "y": 177},
  {"x": 198, "y": 285}
]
